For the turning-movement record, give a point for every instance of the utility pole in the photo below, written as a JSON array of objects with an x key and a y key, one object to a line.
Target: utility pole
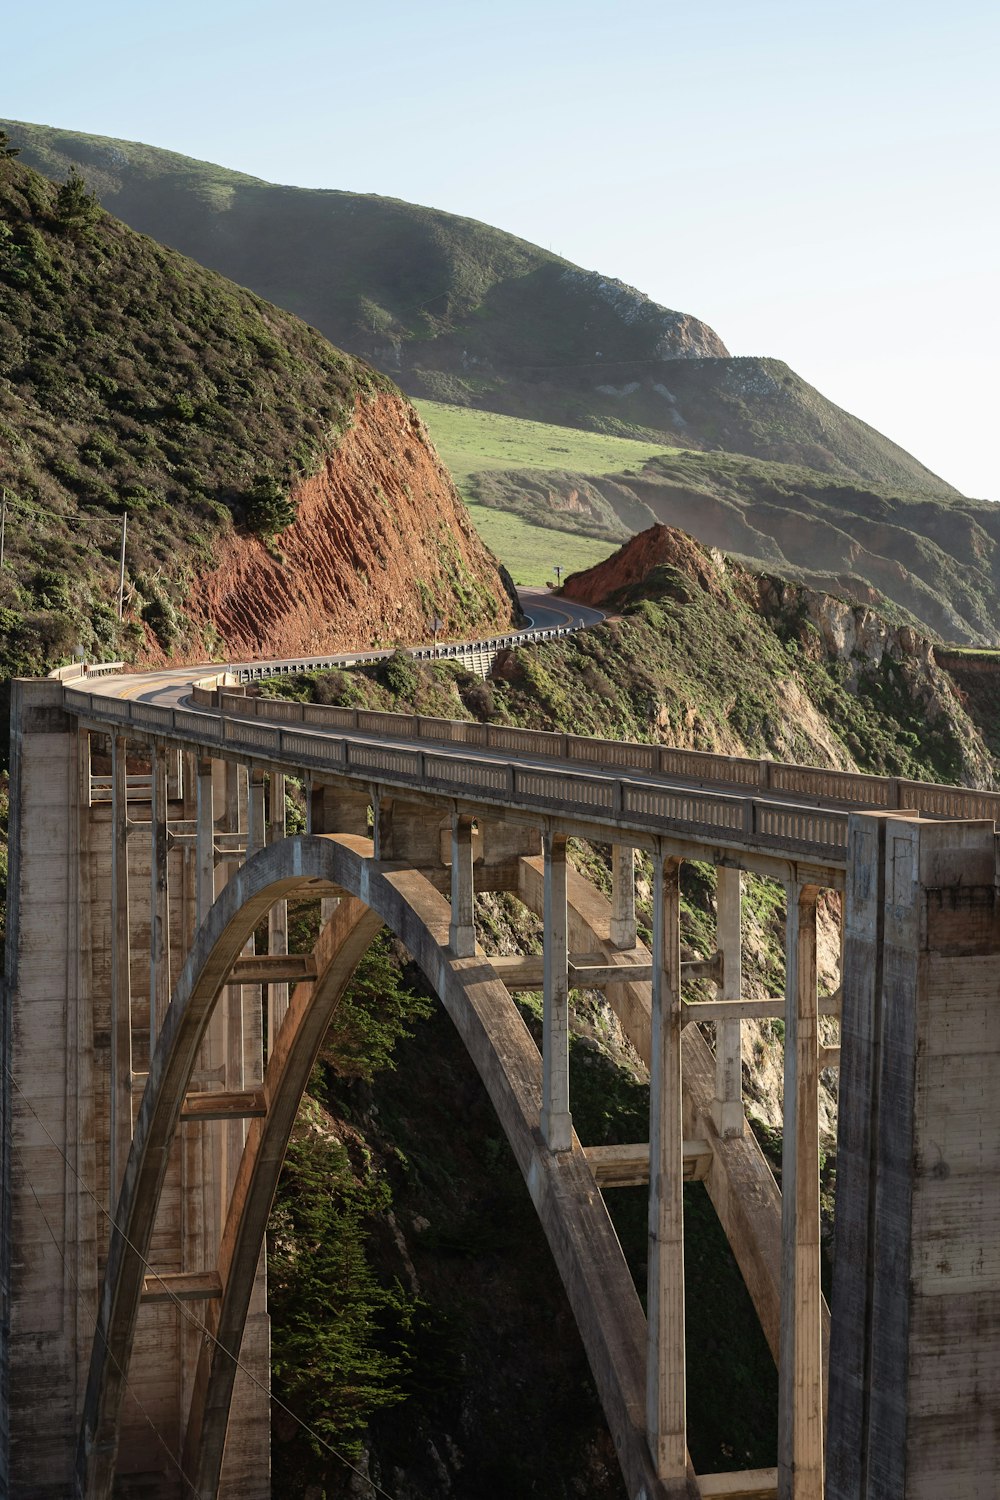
[
  {"x": 121, "y": 572},
  {"x": 3, "y": 526}
]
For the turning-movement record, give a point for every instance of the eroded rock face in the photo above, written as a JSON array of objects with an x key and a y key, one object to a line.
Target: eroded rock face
[
  {"x": 380, "y": 544},
  {"x": 658, "y": 547}
]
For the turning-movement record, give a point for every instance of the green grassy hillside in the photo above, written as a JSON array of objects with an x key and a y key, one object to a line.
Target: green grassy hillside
[
  {"x": 475, "y": 443},
  {"x": 461, "y": 312}
]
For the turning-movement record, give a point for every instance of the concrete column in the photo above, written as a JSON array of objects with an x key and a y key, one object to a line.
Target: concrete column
[
  {"x": 800, "y": 1366},
  {"x": 727, "y": 1107},
  {"x": 333, "y": 810},
  {"x": 159, "y": 910},
  {"x": 622, "y": 896},
  {"x": 120, "y": 1127},
  {"x": 44, "y": 994},
  {"x": 234, "y": 816},
  {"x": 205, "y": 839},
  {"x": 556, "y": 1120},
  {"x": 277, "y": 917},
  {"x": 256, "y": 814},
  {"x": 915, "y": 1354},
  {"x": 189, "y": 856},
  {"x": 462, "y": 929},
  {"x": 666, "y": 1418}
]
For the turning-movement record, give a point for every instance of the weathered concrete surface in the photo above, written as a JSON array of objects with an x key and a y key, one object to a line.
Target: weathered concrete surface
[{"x": 915, "y": 1358}]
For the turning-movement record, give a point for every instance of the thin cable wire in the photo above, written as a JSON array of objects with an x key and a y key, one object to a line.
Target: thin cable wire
[
  {"x": 186, "y": 1312},
  {"x": 97, "y": 1331}
]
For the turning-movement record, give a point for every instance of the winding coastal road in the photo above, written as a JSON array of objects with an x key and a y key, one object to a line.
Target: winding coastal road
[{"x": 542, "y": 610}]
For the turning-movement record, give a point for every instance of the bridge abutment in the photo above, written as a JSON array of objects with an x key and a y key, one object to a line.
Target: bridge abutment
[
  {"x": 915, "y": 1343},
  {"x": 103, "y": 904}
]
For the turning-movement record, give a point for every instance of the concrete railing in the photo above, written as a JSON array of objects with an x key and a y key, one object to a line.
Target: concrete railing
[
  {"x": 80, "y": 669},
  {"x": 846, "y": 788},
  {"x": 574, "y": 795}
]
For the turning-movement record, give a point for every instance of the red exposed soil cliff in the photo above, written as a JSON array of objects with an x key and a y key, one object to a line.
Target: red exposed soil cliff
[
  {"x": 631, "y": 565},
  {"x": 380, "y": 544}
]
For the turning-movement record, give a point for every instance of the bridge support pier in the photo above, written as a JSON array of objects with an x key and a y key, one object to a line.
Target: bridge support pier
[
  {"x": 120, "y": 1096},
  {"x": 556, "y": 1120},
  {"x": 622, "y": 896},
  {"x": 462, "y": 928},
  {"x": 915, "y": 1342},
  {"x": 727, "y": 1110},
  {"x": 800, "y": 1366},
  {"x": 666, "y": 1419},
  {"x": 277, "y": 917}
]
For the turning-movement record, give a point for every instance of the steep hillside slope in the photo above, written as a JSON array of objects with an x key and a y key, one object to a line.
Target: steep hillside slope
[
  {"x": 934, "y": 560},
  {"x": 280, "y": 494},
  {"x": 458, "y": 311}
]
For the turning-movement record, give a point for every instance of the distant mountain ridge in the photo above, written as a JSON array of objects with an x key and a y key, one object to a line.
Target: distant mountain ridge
[
  {"x": 458, "y": 311},
  {"x": 934, "y": 560}
]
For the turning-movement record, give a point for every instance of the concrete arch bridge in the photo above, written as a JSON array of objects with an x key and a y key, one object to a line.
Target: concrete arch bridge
[{"x": 153, "y": 1063}]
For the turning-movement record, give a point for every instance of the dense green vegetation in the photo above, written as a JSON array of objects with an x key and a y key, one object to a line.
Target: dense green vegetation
[
  {"x": 463, "y": 313},
  {"x": 133, "y": 379},
  {"x": 339, "y": 1337}
]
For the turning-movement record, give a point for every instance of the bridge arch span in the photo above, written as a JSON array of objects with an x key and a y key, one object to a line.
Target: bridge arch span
[{"x": 570, "y": 1208}]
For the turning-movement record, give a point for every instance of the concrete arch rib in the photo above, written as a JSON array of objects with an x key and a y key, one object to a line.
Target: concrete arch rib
[{"x": 570, "y": 1208}]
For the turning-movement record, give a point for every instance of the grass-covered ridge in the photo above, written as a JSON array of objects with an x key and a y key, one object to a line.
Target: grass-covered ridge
[
  {"x": 470, "y": 441},
  {"x": 461, "y": 312},
  {"x": 474, "y": 444}
]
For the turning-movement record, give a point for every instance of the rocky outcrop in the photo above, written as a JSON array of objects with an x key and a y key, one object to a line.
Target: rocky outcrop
[
  {"x": 875, "y": 659},
  {"x": 634, "y": 568},
  {"x": 381, "y": 544}
]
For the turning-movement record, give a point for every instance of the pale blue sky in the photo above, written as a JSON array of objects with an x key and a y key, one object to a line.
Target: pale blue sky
[{"x": 816, "y": 180}]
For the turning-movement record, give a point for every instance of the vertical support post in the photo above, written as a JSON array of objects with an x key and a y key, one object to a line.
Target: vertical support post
[
  {"x": 556, "y": 1120},
  {"x": 205, "y": 844},
  {"x": 727, "y": 1107},
  {"x": 666, "y": 1405},
  {"x": 277, "y": 917},
  {"x": 622, "y": 896},
  {"x": 256, "y": 819},
  {"x": 159, "y": 909},
  {"x": 800, "y": 1366},
  {"x": 462, "y": 928},
  {"x": 188, "y": 782},
  {"x": 120, "y": 1126}
]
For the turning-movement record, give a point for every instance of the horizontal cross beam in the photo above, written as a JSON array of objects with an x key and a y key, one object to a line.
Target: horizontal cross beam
[
  {"x": 744, "y": 1484},
  {"x": 181, "y": 1286},
  {"x": 628, "y": 1166},
  {"x": 748, "y": 1010},
  {"x": 222, "y": 1104},
  {"x": 276, "y": 968}
]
